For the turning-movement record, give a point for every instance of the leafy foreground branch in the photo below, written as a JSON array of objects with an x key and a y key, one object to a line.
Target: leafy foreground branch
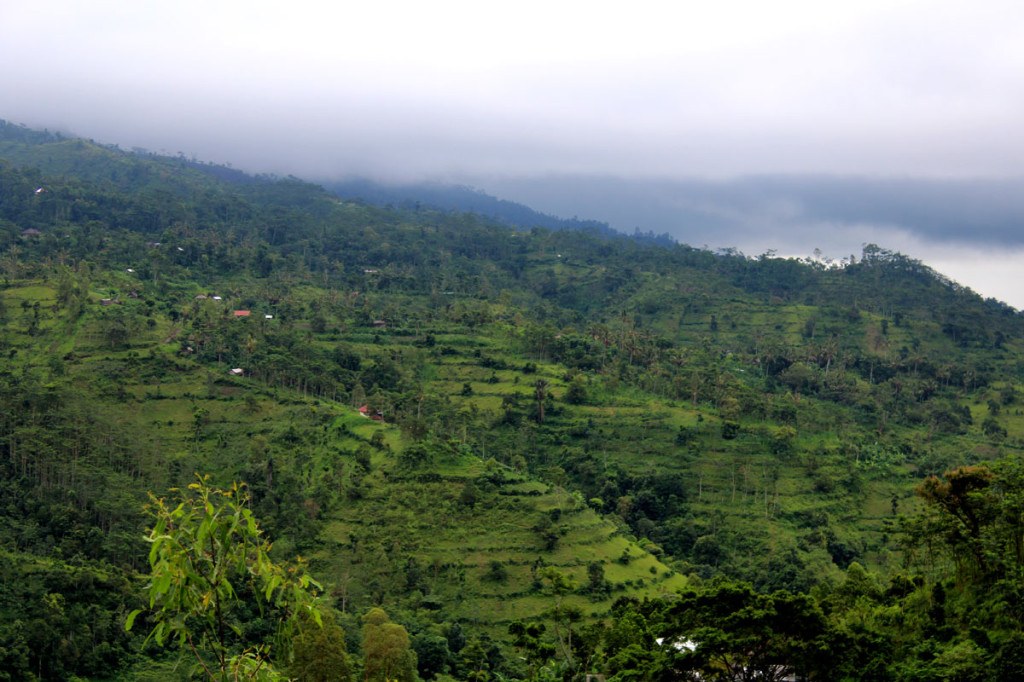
[{"x": 211, "y": 575}]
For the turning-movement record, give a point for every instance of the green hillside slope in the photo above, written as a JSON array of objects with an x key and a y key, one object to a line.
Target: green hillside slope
[{"x": 434, "y": 410}]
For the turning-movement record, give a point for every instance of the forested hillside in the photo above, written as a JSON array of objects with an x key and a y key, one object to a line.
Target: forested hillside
[
  {"x": 504, "y": 453},
  {"x": 455, "y": 198}
]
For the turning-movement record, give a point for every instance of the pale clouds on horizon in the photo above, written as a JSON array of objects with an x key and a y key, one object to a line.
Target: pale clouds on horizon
[
  {"x": 415, "y": 90},
  {"x": 459, "y": 89}
]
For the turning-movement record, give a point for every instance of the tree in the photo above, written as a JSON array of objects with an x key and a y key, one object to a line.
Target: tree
[
  {"x": 319, "y": 653},
  {"x": 992, "y": 428},
  {"x": 528, "y": 640},
  {"x": 386, "y": 645},
  {"x": 209, "y": 566},
  {"x": 433, "y": 656},
  {"x": 630, "y": 649},
  {"x": 416, "y": 456},
  {"x": 576, "y": 393},
  {"x": 595, "y": 577},
  {"x": 977, "y": 515},
  {"x": 496, "y": 572},
  {"x": 118, "y": 326},
  {"x": 965, "y": 506},
  {"x": 560, "y": 585},
  {"x": 730, "y": 430},
  {"x": 473, "y": 661},
  {"x": 729, "y": 632},
  {"x": 469, "y": 495},
  {"x": 540, "y": 392},
  {"x": 1009, "y": 660}
]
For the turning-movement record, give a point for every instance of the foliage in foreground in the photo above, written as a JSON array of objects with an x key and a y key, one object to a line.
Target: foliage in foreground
[{"x": 210, "y": 566}]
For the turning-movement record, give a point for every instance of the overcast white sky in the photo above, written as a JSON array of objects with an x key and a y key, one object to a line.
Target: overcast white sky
[{"x": 473, "y": 90}]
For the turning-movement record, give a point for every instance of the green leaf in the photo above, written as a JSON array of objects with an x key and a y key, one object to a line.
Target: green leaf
[
  {"x": 204, "y": 530},
  {"x": 131, "y": 619},
  {"x": 271, "y": 586},
  {"x": 161, "y": 583},
  {"x": 154, "y": 549}
]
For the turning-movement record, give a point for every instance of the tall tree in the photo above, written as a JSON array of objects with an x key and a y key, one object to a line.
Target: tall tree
[
  {"x": 729, "y": 632},
  {"x": 387, "y": 649}
]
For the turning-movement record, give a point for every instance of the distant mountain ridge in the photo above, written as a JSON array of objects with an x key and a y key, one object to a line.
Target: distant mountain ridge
[
  {"x": 22, "y": 145},
  {"x": 449, "y": 197}
]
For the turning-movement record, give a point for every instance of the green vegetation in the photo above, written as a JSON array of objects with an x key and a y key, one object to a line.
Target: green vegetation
[
  {"x": 207, "y": 560},
  {"x": 527, "y": 454}
]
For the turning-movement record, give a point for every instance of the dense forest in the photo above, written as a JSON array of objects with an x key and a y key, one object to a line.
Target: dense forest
[{"x": 251, "y": 429}]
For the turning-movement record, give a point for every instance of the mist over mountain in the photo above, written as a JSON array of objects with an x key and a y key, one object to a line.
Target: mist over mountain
[
  {"x": 969, "y": 229},
  {"x": 778, "y": 210},
  {"x": 453, "y": 197}
]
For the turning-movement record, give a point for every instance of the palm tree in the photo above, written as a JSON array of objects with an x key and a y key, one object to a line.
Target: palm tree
[{"x": 540, "y": 393}]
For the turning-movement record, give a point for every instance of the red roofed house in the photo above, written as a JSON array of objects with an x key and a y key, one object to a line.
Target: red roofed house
[
  {"x": 242, "y": 313},
  {"x": 377, "y": 416}
]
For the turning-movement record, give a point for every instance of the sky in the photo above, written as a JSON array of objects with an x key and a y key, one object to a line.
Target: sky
[{"x": 513, "y": 96}]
